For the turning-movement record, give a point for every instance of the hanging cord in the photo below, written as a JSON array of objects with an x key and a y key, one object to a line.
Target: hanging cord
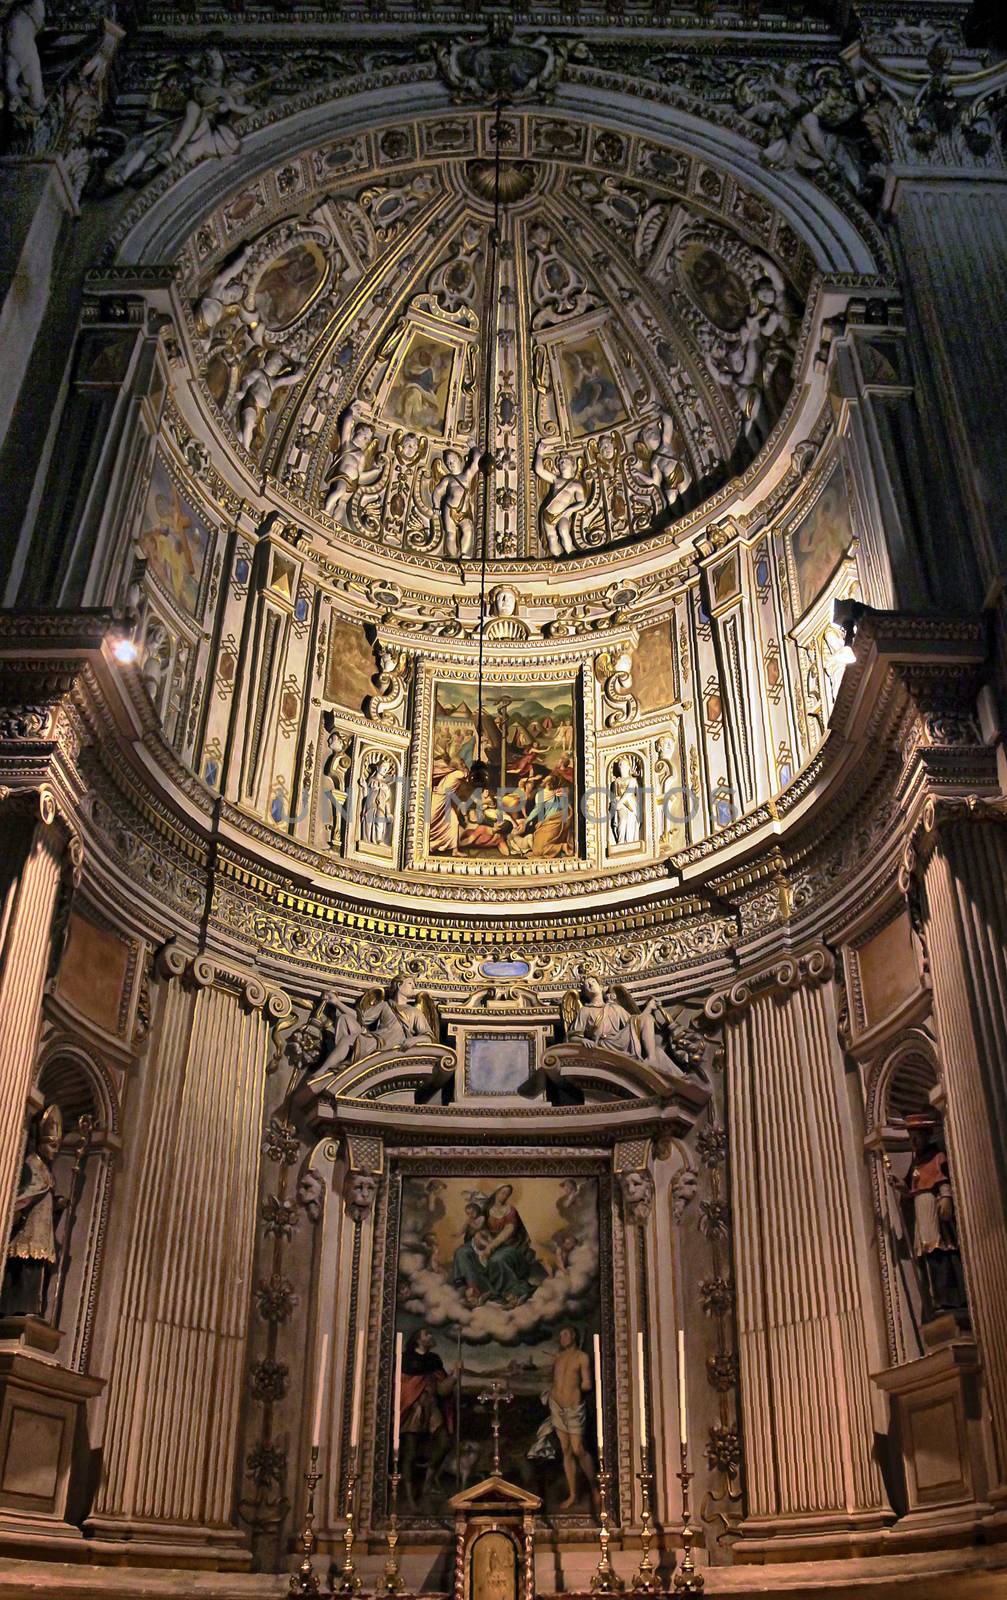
[{"x": 487, "y": 461}]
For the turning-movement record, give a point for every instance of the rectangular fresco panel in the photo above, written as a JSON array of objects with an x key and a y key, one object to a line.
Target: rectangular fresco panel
[
  {"x": 592, "y": 394},
  {"x": 821, "y": 539},
  {"x": 174, "y": 540},
  {"x": 529, "y": 811},
  {"x": 497, "y": 1066},
  {"x": 498, "y": 1277},
  {"x": 420, "y": 391}
]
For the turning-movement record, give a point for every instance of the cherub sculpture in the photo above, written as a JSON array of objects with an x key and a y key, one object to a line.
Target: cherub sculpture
[
  {"x": 567, "y": 497},
  {"x": 260, "y": 385},
  {"x": 663, "y": 467},
  {"x": 398, "y": 1019},
  {"x": 353, "y": 464},
  {"x": 452, "y": 477},
  {"x": 226, "y": 297}
]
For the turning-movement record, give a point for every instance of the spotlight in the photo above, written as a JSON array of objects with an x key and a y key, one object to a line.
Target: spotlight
[{"x": 125, "y": 651}]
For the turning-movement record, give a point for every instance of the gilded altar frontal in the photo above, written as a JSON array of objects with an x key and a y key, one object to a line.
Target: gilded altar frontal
[{"x": 503, "y": 799}]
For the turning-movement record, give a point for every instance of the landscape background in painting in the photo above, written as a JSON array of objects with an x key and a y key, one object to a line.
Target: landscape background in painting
[
  {"x": 529, "y": 742},
  {"x": 500, "y": 1322}
]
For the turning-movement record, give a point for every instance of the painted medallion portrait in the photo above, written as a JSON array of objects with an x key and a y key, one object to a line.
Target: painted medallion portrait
[
  {"x": 174, "y": 540},
  {"x": 288, "y": 283},
  {"x": 821, "y": 539},
  {"x": 419, "y": 394},
  {"x": 529, "y": 810},
  {"x": 592, "y": 394},
  {"x": 498, "y": 1277}
]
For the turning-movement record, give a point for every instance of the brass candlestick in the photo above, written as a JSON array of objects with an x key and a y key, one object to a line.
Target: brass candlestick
[
  {"x": 687, "y": 1579},
  {"x": 606, "y": 1580},
  {"x": 304, "y": 1581},
  {"x": 349, "y": 1583},
  {"x": 393, "y": 1579},
  {"x": 645, "y": 1577}
]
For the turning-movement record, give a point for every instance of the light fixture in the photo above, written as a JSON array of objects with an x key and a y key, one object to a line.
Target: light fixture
[
  {"x": 124, "y": 650},
  {"x": 846, "y": 614},
  {"x": 479, "y": 771}
]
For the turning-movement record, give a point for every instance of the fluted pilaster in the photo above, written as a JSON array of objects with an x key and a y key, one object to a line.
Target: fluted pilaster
[
  {"x": 33, "y": 853},
  {"x": 964, "y": 877},
  {"x": 811, "y": 1478},
  {"x": 175, "y": 1386}
]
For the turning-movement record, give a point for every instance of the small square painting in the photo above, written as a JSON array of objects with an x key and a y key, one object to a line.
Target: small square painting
[
  {"x": 592, "y": 394},
  {"x": 174, "y": 540},
  {"x": 418, "y": 397},
  {"x": 497, "y": 1066}
]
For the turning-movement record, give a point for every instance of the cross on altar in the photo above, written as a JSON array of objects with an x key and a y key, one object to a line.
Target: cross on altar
[{"x": 496, "y": 1395}]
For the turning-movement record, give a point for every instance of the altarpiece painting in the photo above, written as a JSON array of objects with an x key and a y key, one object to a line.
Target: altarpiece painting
[
  {"x": 529, "y": 740},
  {"x": 498, "y": 1276}
]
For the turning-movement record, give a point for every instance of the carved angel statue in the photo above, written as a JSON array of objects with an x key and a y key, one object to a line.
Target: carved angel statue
[
  {"x": 662, "y": 466},
  {"x": 261, "y": 383},
  {"x": 747, "y": 360},
  {"x": 226, "y": 297},
  {"x": 567, "y": 497},
  {"x": 399, "y": 1019},
  {"x": 453, "y": 477},
  {"x": 611, "y": 1020},
  {"x": 353, "y": 464}
]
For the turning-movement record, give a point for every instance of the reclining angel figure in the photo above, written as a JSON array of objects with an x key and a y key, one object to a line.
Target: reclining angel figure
[
  {"x": 398, "y": 1019},
  {"x": 610, "y": 1019}
]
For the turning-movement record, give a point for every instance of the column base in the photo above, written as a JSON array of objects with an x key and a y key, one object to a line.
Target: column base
[
  {"x": 816, "y": 1536},
  {"x": 131, "y": 1542},
  {"x": 995, "y": 1523}
]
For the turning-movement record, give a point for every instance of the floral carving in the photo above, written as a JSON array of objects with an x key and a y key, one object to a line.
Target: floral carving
[
  {"x": 279, "y": 1216},
  {"x": 281, "y": 1143},
  {"x": 276, "y": 1299},
  {"x": 267, "y": 1464},
  {"x": 716, "y": 1296},
  {"x": 723, "y": 1449},
  {"x": 269, "y": 1379}
]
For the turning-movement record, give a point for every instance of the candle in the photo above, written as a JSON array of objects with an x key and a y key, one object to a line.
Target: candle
[
  {"x": 316, "y": 1429},
  {"x": 358, "y": 1390},
  {"x": 642, "y": 1380},
  {"x": 397, "y": 1399},
  {"x": 597, "y": 1393},
  {"x": 682, "y": 1424}
]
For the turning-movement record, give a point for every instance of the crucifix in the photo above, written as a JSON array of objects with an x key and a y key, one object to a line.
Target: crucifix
[
  {"x": 502, "y": 705},
  {"x": 496, "y": 1395}
]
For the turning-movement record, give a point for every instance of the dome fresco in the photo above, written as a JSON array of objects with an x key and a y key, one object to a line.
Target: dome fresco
[{"x": 643, "y": 325}]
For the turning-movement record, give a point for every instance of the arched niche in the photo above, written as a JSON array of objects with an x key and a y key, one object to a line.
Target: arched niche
[
  {"x": 72, "y": 1078},
  {"x": 906, "y": 1081}
]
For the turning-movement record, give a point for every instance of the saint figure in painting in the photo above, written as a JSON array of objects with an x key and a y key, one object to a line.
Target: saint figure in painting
[
  {"x": 426, "y": 1412},
  {"x": 571, "y": 1381},
  {"x": 496, "y": 1260}
]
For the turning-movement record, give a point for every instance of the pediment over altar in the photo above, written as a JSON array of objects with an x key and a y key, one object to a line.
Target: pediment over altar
[{"x": 494, "y": 1495}]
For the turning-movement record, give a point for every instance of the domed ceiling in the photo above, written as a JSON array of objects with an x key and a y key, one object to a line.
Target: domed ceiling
[{"x": 642, "y": 325}]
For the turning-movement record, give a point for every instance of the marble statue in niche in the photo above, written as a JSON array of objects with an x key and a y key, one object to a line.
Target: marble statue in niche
[
  {"x": 399, "y": 1019},
  {"x": 610, "y": 1019},
  {"x": 624, "y": 801},
  {"x": 927, "y": 1194},
  {"x": 566, "y": 496},
  {"x": 32, "y": 1251},
  {"x": 377, "y": 808}
]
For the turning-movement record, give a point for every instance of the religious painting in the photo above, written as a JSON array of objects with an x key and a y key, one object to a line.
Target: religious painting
[
  {"x": 528, "y": 810},
  {"x": 289, "y": 283},
  {"x": 719, "y": 291},
  {"x": 821, "y": 539},
  {"x": 499, "y": 1277},
  {"x": 174, "y": 540},
  {"x": 418, "y": 397},
  {"x": 593, "y": 399}
]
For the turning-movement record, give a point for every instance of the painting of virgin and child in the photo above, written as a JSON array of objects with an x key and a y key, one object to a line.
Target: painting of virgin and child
[{"x": 498, "y": 1278}]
